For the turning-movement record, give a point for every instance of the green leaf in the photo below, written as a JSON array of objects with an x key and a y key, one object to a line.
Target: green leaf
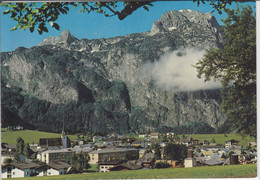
[
  {"x": 30, "y": 17},
  {"x": 7, "y": 11},
  {"x": 13, "y": 14},
  {"x": 11, "y": 5},
  {"x": 31, "y": 29},
  {"x": 146, "y": 8},
  {"x": 35, "y": 11},
  {"x": 100, "y": 11},
  {"x": 56, "y": 26},
  {"x": 24, "y": 27},
  {"x": 14, "y": 28},
  {"x": 44, "y": 29},
  {"x": 39, "y": 30}
]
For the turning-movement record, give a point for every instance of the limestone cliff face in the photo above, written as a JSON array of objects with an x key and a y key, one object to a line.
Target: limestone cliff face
[{"x": 107, "y": 72}]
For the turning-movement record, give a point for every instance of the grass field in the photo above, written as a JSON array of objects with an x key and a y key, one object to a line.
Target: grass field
[
  {"x": 220, "y": 138},
  {"x": 232, "y": 171},
  {"x": 29, "y": 136},
  {"x": 93, "y": 168}
]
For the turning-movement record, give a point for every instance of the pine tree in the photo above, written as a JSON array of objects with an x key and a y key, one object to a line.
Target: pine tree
[
  {"x": 235, "y": 66},
  {"x": 20, "y": 145},
  {"x": 157, "y": 153}
]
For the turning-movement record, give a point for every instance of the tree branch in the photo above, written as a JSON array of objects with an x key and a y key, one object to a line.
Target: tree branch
[{"x": 130, "y": 8}]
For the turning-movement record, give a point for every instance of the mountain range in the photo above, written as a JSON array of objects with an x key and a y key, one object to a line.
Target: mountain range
[{"x": 121, "y": 84}]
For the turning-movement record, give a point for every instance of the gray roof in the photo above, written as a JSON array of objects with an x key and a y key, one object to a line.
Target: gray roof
[
  {"x": 148, "y": 156},
  {"x": 112, "y": 162},
  {"x": 113, "y": 150},
  {"x": 130, "y": 166},
  {"x": 58, "y": 150},
  {"x": 24, "y": 166},
  {"x": 50, "y": 142},
  {"x": 75, "y": 149},
  {"x": 212, "y": 162},
  {"x": 216, "y": 155},
  {"x": 59, "y": 165}
]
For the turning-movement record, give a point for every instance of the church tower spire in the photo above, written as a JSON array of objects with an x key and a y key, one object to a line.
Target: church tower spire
[{"x": 64, "y": 138}]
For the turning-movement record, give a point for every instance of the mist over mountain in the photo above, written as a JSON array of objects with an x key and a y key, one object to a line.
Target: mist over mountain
[{"x": 138, "y": 82}]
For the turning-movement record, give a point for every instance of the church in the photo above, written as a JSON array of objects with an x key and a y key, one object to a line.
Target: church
[{"x": 55, "y": 143}]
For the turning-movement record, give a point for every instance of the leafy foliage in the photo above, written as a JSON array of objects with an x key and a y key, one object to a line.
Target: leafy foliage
[
  {"x": 79, "y": 162},
  {"x": 220, "y": 5},
  {"x": 213, "y": 140},
  {"x": 157, "y": 152},
  {"x": 28, "y": 151},
  {"x": 160, "y": 165},
  {"x": 175, "y": 152},
  {"x": 235, "y": 67},
  {"x": 20, "y": 145},
  {"x": 35, "y": 16},
  {"x": 7, "y": 161}
]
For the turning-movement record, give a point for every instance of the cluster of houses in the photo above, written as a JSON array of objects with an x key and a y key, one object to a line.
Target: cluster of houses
[{"x": 116, "y": 153}]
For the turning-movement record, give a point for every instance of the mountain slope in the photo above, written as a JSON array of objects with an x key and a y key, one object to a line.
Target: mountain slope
[{"x": 99, "y": 85}]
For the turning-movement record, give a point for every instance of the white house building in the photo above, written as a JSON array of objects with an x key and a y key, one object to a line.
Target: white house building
[
  {"x": 190, "y": 162},
  {"x": 57, "y": 155},
  {"x": 106, "y": 165},
  {"x": 52, "y": 169},
  {"x": 16, "y": 170}
]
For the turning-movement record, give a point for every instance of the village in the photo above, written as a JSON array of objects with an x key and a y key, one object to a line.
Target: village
[{"x": 116, "y": 152}]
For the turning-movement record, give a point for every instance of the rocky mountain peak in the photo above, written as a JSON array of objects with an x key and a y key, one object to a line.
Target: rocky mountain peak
[
  {"x": 65, "y": 36},
  {"x": 172, "y": 20},
  {"x": 65, "y": 39}
]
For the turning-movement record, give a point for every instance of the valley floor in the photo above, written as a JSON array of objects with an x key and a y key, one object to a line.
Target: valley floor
[{"x": 231, "y": 171}]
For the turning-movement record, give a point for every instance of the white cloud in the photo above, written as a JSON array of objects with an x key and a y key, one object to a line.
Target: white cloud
[{"x": 174, "y": 71}]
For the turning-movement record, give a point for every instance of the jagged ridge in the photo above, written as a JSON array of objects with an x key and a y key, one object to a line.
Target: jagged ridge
[{"x": 67, "y": 70}]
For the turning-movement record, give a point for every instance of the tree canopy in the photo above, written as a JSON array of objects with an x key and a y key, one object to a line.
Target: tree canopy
[
  {"x": 235, "y": 67},
  {"x": 20, "y": 145},
  {"x": 79, "y": 162},
  {"x": 175, "y": 152},
  {"x": 36, "y": 16}
]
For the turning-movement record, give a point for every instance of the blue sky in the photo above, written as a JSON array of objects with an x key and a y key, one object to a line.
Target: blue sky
[{"x": 94, "y": 25}]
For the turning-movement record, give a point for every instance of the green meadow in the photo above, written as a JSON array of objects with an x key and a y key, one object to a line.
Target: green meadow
[
  {"x": 32, "y": 136},
  {"x": 232, "y": 171},
  {"x": 221, "y": 138},
  {"x": 29, "y": 136}
]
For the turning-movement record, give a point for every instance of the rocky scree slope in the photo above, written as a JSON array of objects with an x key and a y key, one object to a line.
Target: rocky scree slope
[{"x": 95, "y": 85}]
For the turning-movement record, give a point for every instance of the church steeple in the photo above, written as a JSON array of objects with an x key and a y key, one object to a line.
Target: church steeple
[
  {"x": 63, "y": 132},
  {"x": 64, "y": 138}
]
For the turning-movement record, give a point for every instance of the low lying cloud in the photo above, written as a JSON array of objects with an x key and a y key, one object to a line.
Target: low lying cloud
[{"x": 174, "y": 71}]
